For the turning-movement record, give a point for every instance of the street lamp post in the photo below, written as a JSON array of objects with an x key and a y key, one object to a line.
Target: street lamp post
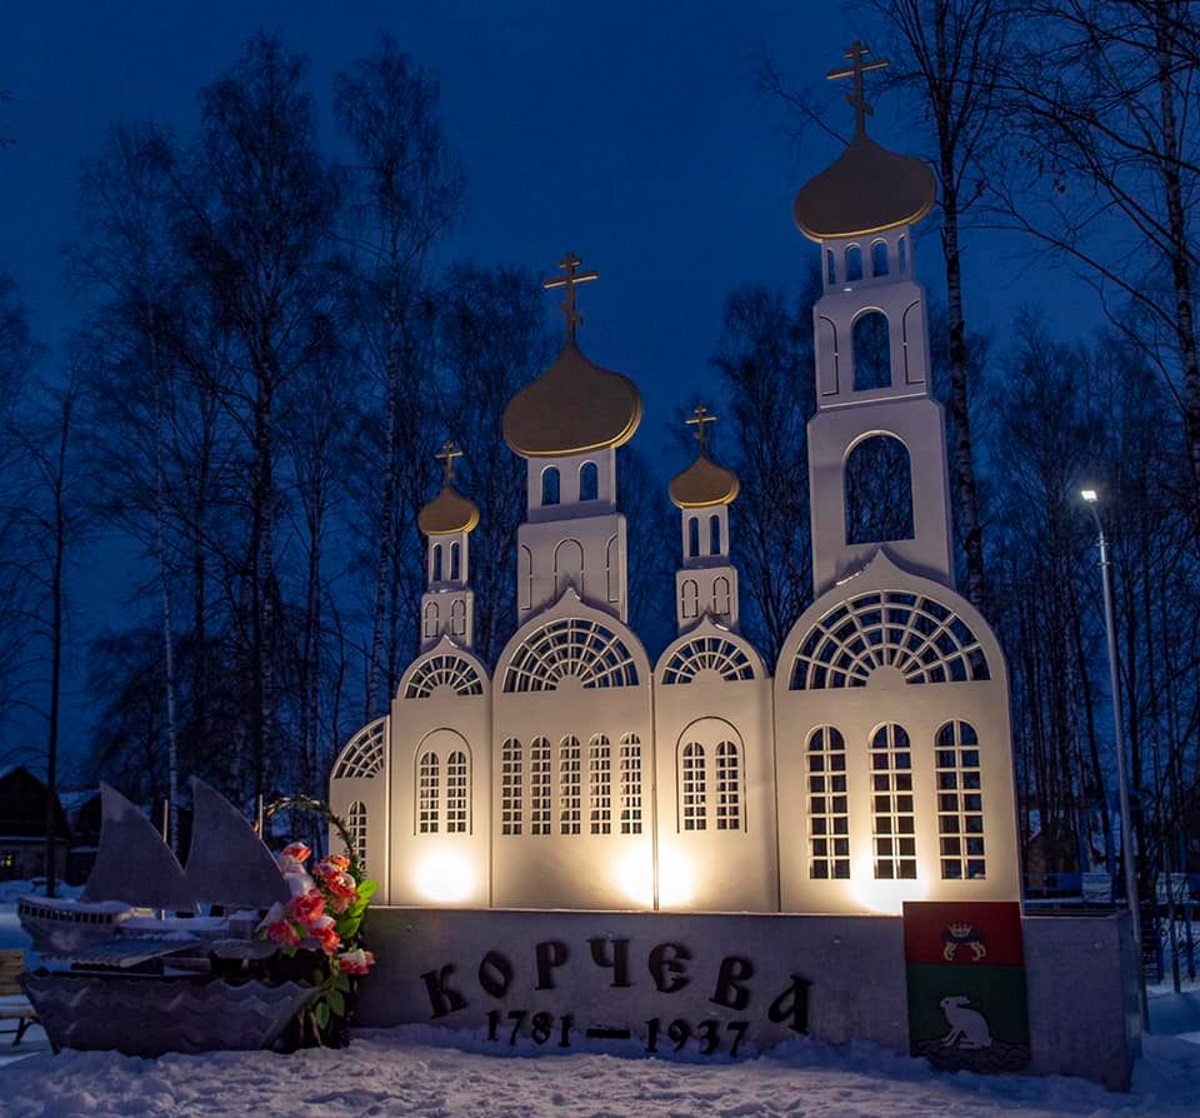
[{"x": 1091, "y": 499}]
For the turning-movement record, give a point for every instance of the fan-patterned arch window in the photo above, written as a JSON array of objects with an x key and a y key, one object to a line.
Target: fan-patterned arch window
[
  {"x": 729, "y": 787},
  {"x": 428, "y": 793},
  {"x": 920, "y": 637},
  {"x": 443, "y": 670},
  {"x": 539, "y": 786},
  {"x": 960, "y": 802},
  {"x": 600, "y": 785},
  {"x": 364, "y": 754},
  {"x": 511, "y": 787},
  {"x": 892, "y": 811},
  {"x": 828, "y": 807},
  {"x": 631, "y": 784},
  {"x": 458, "y": 793},
  {"x": 712, "y": 654},
  {"x": 586, "y": 650},
  {"x": 570, "y": 782},
  {"x": 356, "y": 825},
  {"x": 693, "y": 788}
]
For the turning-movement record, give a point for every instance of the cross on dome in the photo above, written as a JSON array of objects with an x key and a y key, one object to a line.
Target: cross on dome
[
  {"x": 447, "y": 455},
  {"x": 701, "y": 416},
  {"x": 569, "y": 263},
  {"x": 862, "y": 109}
]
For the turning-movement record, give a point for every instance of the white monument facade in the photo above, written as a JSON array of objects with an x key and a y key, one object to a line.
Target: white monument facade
[{"x": 872, "y": 764}]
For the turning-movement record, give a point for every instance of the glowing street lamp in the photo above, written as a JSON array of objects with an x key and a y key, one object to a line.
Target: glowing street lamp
[{"x": 1092, "y": 499}]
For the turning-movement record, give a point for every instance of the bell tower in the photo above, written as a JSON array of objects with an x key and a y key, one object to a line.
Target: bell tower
[
  {"x": 877, "y": 448},
  {"x": 706, "y": 583}
]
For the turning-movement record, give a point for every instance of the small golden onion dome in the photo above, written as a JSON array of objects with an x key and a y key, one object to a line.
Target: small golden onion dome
[
  {"x": 704, "y": 484},
  {"x": 572, "y": 408},
  {"x": 449, "y": 512},
  {"x": 869, "y": 189}
]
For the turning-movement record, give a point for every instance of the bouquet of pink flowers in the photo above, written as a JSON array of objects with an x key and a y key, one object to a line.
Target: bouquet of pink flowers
[{"x": 324, "y": 913}]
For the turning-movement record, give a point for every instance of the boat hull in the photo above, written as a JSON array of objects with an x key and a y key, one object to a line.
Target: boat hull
[{"x": 151, "y": 1016}]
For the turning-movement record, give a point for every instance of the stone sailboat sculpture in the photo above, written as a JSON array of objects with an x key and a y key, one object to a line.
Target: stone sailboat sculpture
[{"x": 118, "y": 973}]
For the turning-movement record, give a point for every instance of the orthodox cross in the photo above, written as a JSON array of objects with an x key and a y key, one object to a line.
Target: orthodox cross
[
  {"x": 858, "y": 50},
  {"x": 447, "y": 456},
  {"x": 569, "y": 263},
  {"x": 701, "y": 417}
]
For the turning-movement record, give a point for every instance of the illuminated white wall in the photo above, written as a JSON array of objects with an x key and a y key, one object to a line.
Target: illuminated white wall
[
  {"x": 711, "y": 691},
  {"x": 922, "y": 707}
]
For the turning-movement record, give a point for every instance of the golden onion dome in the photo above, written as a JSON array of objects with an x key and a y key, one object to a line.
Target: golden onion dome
[
  {"x": 448, "y": 513},
  {"x": 867, "y": 190},
  {"x": 704, "y": 484},
  {"x": 574, "y": 407}
]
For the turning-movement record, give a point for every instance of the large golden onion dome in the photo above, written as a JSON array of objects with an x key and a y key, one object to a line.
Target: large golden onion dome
[
  {"x": 704, "y": 484},
  {"x": 867, "y": 190},
  {"x": 448, "y": 513},
  {"x": 574, "y": 407}
]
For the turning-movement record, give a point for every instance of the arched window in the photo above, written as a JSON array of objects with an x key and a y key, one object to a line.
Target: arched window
[
  {"x": 458, "y": 793},
  {"x": 830, "y": 269},
  {"x": 693, "y": 788},
  {"x": 584, "y": 650},
  {"x": 893, "y": 813},
  {"x": 458, "y": 617},
  {"x": 612, "y": 568},
  {"x": 450, "y": 671},
  {"x": 879, "y": 258},
  {"x": 729, "y": 787},
  {"x": 693, "y": 537},
  {"x": 926, "y": 641},
  {"x": 437, "y": 562},
  {"x": 872, "y": 352},
  {"x": 960, "y": 803},
  {"x": 631, "y": 784},
  {"x": 902, "y": 253},
  {"x": 568, "y": 567},
  {"x": 356, "y": 824},
  {"x": 707, "y": 654},
  {"x": 828, "y": 806},
  {"x": 879, "y": 500},
  {"x": 511, "y": 787},
  {"x": 721, "y": 596},
  {"x": 689, "y": 594},
  {"x": 550, "y": 485},
  {"x": 589, "y": 482},
  {"x": 364, "y": 754},
  {"x": 455, "y": 562},
  {"x": 428, "y": 793},
  {"x": 525, "y": 581},
  {"x": 600, "y": 785},
  {"x": 570, "y": 777},
  {"x": 431, "y": 619},
  {"x": 539, "y": 786},
  {"x": 714, "y": 535},
  {"x": 854, "y": 270}
]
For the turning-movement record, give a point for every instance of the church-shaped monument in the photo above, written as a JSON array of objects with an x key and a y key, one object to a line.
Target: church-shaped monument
[{"x": 871, "y": 765}]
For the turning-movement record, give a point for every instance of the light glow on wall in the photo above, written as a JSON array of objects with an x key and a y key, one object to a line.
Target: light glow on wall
[
  {"x": 885, "y": 897},
  {"x": 676, "y": 881},
  {"x": 445, "y": 877},
  {"x": 635, "y": 877}
]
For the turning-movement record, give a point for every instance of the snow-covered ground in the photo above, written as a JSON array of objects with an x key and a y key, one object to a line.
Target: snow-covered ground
[{"x": 417, "y": 1070}]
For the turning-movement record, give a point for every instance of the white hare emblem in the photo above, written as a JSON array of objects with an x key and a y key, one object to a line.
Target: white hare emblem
[{"x": 968, "y": 1027}]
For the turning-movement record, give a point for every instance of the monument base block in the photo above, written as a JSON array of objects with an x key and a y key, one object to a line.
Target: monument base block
[{"x": 730, "y": 984}]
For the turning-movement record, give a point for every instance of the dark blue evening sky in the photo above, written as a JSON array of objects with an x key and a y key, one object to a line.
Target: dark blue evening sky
[{"x": 629, "y": 132}]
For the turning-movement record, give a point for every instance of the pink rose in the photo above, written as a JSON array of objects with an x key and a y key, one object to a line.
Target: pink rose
[
  {"x": 357, "y": 961},
  {"x": 298, "y": 851},
  {"x": 284, "y": 933},
  {"x": 324, "y": 931},
  {"x": 306, "y": 908}
]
